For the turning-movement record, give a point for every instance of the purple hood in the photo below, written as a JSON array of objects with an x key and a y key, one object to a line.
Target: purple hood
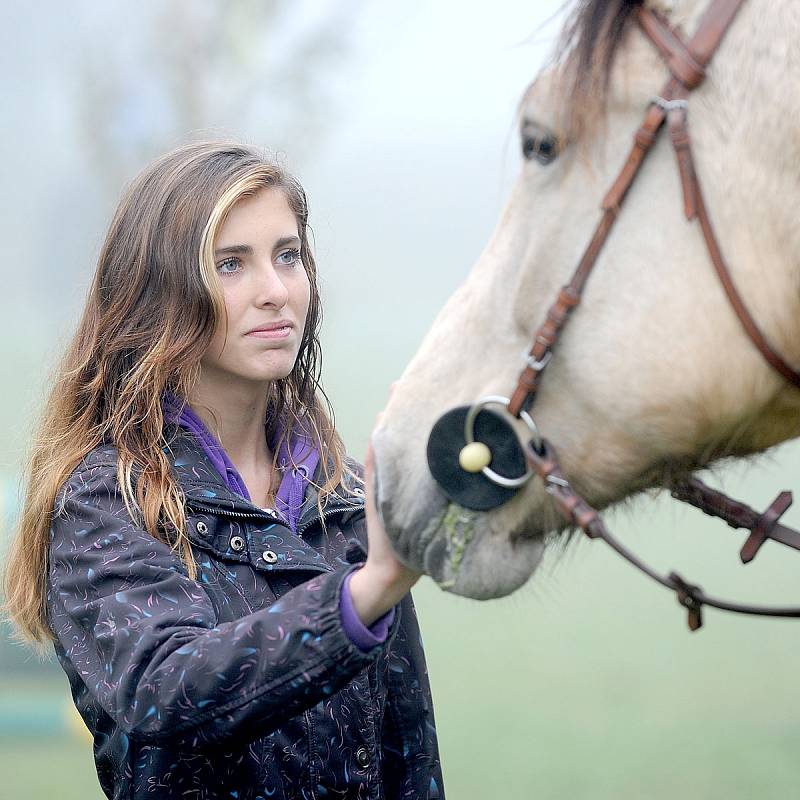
[{"x": 300, "y": 451}]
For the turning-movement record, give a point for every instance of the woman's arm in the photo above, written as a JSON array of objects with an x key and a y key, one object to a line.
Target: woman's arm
[{"x": 145, "y": 640}]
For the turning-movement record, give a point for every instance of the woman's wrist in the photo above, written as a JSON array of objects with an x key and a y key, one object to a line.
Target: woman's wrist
[{"x": 375, "y": 589}]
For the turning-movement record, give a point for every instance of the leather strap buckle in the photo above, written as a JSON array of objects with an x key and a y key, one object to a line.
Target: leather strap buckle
[{"x": 765, "y": 525}]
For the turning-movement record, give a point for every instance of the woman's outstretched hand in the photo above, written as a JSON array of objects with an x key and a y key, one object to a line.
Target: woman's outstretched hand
[{"x": 383, "y": 580}]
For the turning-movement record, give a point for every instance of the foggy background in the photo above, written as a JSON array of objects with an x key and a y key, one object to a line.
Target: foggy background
[{"x": 399, "y": 121}]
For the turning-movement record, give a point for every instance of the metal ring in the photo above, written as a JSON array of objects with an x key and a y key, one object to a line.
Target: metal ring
[
  {"x": 302, "y": 469},
  {"x": 669, "y": 105},
  {"x": 537, "y": 366},
  {"x": 469, "y": 424}
]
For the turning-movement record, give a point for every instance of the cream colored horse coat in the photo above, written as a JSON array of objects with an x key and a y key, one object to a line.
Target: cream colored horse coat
[{"x": 653, "y": 376}]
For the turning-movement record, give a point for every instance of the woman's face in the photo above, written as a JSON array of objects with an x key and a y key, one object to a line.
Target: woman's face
[{"x": 257, "y": 258}]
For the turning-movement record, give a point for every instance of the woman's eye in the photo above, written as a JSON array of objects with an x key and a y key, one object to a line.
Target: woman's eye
[
  {"x": 228, "y": 262},
  {"x": 290, "y": 257},
  {"x": 230, "y": 266},
  {"x": 544, "y": 149}
]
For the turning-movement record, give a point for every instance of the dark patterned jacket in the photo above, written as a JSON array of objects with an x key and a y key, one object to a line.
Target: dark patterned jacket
[{"x": 242, "y": 684}]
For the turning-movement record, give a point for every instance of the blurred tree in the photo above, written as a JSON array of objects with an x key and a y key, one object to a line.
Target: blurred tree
[{"x": 259, "y": 69}]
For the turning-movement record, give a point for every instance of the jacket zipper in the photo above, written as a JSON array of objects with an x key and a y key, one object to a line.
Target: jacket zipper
[
  {"x": 253, "y": 515},
  {"x": 223, "y": 513},
  {"x": 329, "y": 513}
]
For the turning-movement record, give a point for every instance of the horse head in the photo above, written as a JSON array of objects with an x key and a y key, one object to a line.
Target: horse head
[{"x": 653, "y": 377}]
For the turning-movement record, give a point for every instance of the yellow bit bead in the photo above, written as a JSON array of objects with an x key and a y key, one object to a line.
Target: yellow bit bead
[{"x": 474, "y": 457}]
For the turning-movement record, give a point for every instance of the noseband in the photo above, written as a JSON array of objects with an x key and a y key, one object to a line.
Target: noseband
[{"x": 458, "y": 451}]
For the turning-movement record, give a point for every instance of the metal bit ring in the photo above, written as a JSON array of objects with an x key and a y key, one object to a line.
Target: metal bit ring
[{"x": 469, "y": 435}]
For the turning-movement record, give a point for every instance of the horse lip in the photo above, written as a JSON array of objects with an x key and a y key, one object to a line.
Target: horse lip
[
  {"x": 426, "y": 538},
  {"x": 477, "y": 555}
]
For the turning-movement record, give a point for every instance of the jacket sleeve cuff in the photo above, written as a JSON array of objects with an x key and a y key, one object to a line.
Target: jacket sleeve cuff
[{"x": 365, "y": 638}]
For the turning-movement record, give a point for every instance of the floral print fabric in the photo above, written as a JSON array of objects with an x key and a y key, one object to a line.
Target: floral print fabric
[{"x": 243, "y": 683}]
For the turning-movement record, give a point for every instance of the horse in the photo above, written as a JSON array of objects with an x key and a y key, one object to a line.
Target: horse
[{"x": 654, "y": 377}]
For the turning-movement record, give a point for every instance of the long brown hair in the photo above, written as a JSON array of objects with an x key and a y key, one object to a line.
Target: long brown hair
[{"x": 151, "y": 311}]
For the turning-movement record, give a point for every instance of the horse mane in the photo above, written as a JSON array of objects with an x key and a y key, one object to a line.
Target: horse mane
[{"x": 584, "y": 57}]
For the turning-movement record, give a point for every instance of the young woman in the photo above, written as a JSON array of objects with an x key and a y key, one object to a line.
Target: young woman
[{"x": 194, "y": 537}]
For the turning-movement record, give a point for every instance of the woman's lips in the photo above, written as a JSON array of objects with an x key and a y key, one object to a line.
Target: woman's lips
[{"x": 273, "y": 333}]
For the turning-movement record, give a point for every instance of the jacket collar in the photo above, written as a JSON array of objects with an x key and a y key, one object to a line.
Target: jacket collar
[{"x": 204, "y": 486}]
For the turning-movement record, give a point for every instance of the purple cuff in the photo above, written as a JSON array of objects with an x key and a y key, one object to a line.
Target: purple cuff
[{"x": 363, "y": 637}]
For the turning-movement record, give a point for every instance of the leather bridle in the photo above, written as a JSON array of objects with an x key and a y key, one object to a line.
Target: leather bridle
[{"x": 687, "y": 63}]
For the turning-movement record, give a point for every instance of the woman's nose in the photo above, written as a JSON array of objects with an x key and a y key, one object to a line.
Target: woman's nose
[{"x": 271, "y": 288}]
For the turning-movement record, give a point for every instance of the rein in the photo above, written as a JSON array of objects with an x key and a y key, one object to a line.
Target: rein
[{"x": 473, "y": 484}]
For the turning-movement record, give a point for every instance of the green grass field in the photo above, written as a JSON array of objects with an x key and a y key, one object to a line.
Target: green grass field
[{"x": 49, "y": 769}]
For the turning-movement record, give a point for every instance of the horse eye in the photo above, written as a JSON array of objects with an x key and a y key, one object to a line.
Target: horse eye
[{"x": 544, "y": 150}]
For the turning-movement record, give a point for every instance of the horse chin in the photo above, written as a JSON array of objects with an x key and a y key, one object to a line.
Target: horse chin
[{"x": 467, "y": 557}]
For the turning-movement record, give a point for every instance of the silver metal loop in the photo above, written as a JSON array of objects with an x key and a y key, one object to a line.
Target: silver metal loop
[
  {"x": 469, "y": 435},
  {"x": 537, "y": 366},
  {"x": 669, "y": 105},
  {"x": 302, "y": 469}
]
